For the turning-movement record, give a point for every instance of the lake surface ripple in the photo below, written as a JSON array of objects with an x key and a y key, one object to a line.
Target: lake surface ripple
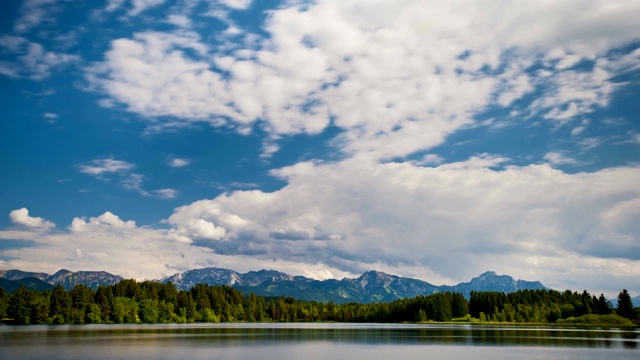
[{"x": 315, "y": 341}]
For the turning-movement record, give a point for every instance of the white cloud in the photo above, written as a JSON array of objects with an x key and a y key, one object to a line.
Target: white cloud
[
  {"x": 179, "y": 162},
  {"x": 355, "y": 216},
  {"x": 99, "y": 167},
  {"x": 430, "y": 159},
  {"x": 166, "y": 193},
  {"x": 113, "y": 5},
  {"x": 21, "y": 217},
  {"x": 51, "y": 118},
  {"x": 134, "y": 182},
  {"x": 108, "y": 243},
  {"x": 558, "y": 158},
  {"x": 269, "y": 148},
  {"x": 33, "y": 14},
  {"x": 141, "y": 5},
  {"x": 237, "y": 4},
  {"x": 345, "y": 218},
  {"x": 108, "y": 219},
  {"x": 153, "y": 76},
  {"x": 30, "y": 59},
  {"x": 179, "y": 20},
  {"x": 110, "y": 168},
  {"x": 389, "y": 74}
]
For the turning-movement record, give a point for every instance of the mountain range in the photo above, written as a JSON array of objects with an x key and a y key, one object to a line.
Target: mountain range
[
  {"x": 10, "y": 279},
  {"x": 372, "y": 286}
]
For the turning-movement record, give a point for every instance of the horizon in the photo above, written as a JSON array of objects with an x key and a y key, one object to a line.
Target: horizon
[{"x": 323, "y": 138}]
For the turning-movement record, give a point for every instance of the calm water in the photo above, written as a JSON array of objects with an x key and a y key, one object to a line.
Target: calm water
[{"x": 314, "y": 341}]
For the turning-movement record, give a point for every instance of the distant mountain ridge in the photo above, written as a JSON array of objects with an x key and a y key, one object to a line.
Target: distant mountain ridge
[
  {"x": 372, "y": 286},
  {"x": 68, "y": 279},
  {"x": 30, "y": 283},
  {"x": 218, "y": 276}
]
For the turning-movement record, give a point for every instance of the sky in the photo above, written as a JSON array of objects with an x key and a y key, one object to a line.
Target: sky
[{"x": 426, "y": 139}]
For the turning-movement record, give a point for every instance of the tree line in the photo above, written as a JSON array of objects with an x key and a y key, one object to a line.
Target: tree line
[{"x": 130, "y": 301}]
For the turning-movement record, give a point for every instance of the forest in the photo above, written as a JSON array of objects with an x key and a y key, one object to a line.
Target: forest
[{"x": 130, "y": 301}]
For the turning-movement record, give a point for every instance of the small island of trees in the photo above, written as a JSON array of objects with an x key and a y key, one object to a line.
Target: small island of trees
[{"x": 130, "y": 301}]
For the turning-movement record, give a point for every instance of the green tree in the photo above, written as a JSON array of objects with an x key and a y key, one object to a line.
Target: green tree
[
  {"x": 625, "y": 307},
  {"x": 81, "y": 299},
  {"x": 148, "y": 311},
  {"x": 125, "y": 310},
  {"x": 20, "y": 306},
  {"x": 603, "y": 306},
  {"x": 59, "y": 305},
  {"x": 4, "y": 303}
]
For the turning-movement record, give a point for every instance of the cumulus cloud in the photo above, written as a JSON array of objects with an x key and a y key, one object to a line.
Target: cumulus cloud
[
  {"x": 108, "y": 243},
  {"x": 396, "y": 78},
  {"x": 21, "y": 217},
  {"x": 399, "y": 216},
  {"x": 352, "y": 216},
  {"x": 107, "y": 219}
]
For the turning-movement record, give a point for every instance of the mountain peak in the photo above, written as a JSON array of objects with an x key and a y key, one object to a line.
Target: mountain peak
[{"x": 487, "y": 274}]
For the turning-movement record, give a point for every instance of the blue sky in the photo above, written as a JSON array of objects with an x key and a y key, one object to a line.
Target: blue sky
[{"x": 323, "y": 138}]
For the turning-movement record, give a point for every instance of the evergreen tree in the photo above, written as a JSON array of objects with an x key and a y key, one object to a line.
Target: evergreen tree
[
  {"x": 20, "y": 306},
  {"x": 625, "y": 307},
  {"x": 4, "y": 303},
  {"x": 603, "y": 306}
]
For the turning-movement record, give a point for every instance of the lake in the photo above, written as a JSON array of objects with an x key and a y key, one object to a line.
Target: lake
[{"x": 315, "y": 341}]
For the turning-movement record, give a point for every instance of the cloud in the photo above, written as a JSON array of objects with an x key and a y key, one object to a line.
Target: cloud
[
  {"x": 142, "y": 5},
  {"x": 21, "y": 217},
  {"x": 179, "y": 20},
  {"x": 395, "y": 78},
  {"x": 558, "y": 158},
  {"x": 355, "y": 216},
  {"x": 99, "y": 167},
  {"x": 179, "y": 162},
  {"x": 33, "y": 14},
  {"x": 348, "y": 217},
  {"x": 108, "y": 243},
  {"x": 166, "y": 193},
  {"x": 237, "y": 4},
  {"x": 30, "y": 59},
  {"x": 114, "y": 4},
  {"x": 107, "y": 219},
  {"x": 110, "y": 168},
  {"x": 136, "y": 6},
  {"x": 51, "y": 118}
]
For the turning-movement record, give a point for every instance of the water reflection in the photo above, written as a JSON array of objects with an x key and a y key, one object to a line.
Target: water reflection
[{"x": 246, "y": 340}]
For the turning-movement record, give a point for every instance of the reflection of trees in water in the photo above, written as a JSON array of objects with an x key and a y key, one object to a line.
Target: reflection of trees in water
[{"x": 370, "y": 334}]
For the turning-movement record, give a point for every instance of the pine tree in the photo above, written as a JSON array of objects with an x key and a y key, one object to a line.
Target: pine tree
[{"x": 625, "y": 307}]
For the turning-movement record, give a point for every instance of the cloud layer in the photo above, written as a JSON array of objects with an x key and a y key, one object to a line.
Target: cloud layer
[
  {"x": 396, "y": 77},
  {"x": 391, "y": 80},
  {"x": 349, "y": 217}
]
